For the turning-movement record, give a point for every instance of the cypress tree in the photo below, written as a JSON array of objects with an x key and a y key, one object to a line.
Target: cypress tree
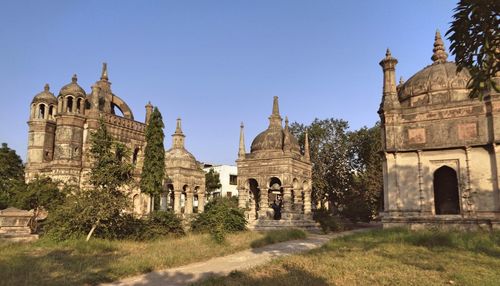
[{"x": 153, "y": 170}]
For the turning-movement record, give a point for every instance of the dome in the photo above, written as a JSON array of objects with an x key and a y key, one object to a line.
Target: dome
[
  {"x": 440, "y": 76},
  {"x": 72, "y": 88},
  {"x": 180, "y": 158},
  {"x": 45, "y": 96},
  {"x": 274, "y": 139}
]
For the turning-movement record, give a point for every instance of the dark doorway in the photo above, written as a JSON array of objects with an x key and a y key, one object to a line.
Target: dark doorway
[{"x": 446, "y": 191}]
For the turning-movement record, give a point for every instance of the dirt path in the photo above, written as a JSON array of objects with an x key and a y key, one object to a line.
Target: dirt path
[{"x": 221, "y": 266}]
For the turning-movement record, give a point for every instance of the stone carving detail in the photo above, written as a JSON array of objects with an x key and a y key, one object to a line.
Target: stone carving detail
[
  {"x": 467, "y": 131},
  {"x": 416, "y": 136}
]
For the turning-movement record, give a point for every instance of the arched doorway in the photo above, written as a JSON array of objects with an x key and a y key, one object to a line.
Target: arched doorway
[
  {"x": 276, "y": 197},
  {"x": 253, "y": 198},
  {"x": 446, "y": 191}
]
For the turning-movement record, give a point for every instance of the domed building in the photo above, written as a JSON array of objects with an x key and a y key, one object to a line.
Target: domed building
[
  {"x": 60, "y": 128},
  {"x": 274, "y": 179},
  {"x": 185, "y": 185},
  {"x": 441, "y": 152}
]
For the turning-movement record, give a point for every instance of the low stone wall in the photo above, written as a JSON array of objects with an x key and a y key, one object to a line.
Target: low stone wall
[{"x": 14, "y": 225}]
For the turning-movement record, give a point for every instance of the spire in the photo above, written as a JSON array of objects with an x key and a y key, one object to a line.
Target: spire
[
  {"x": 104, "y": 74},
  {"x": 286, "y": 122},
  {"x": 149, "y": 110},
  {"x": 74, "y": 79},
  {"x": 440, "y": 55},
  {"x": 389, "y": 98},
  {"x": 178, "y": 136},
  {"x": 241, "y": 151},
  {"x": 46, "y": 88},
  {"x": 307, "y": 156},
  {"x": 287, "y": 144},
  {"x": 275, "y": 118}
]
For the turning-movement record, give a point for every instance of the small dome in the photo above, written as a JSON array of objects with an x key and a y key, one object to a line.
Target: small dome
[
  {"x": 72, "y": 88},
  {"x": 180, "y": 158},
  {"x": 435, "y": 77},
  {"x": 270, "y": 139},
  {"x": 45, "y": 96}
]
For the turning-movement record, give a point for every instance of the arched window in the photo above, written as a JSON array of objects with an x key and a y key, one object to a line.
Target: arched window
[
  {"x": 78, "y": 105},
  {"x": 41, "y": 111},
  {"x": 446, "y": 191},
  {"x": 51, "y": 112},
  {"x": 134, "y": 157},
  {"x": 69, "y": 104}
]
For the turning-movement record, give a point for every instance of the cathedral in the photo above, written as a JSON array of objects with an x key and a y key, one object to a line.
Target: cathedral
[
  {"x": 59, "y": 131},
  {"x": 441, "y": 148}
]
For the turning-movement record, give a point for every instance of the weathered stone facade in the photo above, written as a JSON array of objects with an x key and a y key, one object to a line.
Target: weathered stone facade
[
  {"x": 274, "y": 179},
  {"x": 60, "y": 128},
  {"x": 185, "y": 185},
  {"x": 441, "y": 148}
]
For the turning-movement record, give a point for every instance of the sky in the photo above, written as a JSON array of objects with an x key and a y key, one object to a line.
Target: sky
[{"x": 215, "y": 63}]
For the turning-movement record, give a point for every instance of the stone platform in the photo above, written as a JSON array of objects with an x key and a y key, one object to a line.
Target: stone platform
[
  {"x": 270, "y": 224},
  {"x": 442, "y": 222},
  {"x": 14, "y": 225}
]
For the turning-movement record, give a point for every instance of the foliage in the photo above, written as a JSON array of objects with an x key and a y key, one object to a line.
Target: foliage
[
  {"x": 327, "y": 221},
  {"x": 329, "y": 151},
  {"x": 162, "y": 223},
  {"x": 153, "y": 170},
  {"x": 366, "y": 195},
  {"x": 475, "y": 42},
  {"x": 221, "y": 216},
  {"x": 11, "y": 175},
  {"x": 279, "y": 235},
  {"x": 40, "y": 193},
  {"x": 102, "y": 206},
  {"x": 212, "y": 181}
]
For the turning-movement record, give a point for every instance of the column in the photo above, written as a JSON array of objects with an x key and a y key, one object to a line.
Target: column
[
  {"x": 242, "y": 195},
  {"x": 201, "y": 202},
  {"x": 177, "y": 202},
  {"x": 307, "y": 203},
  {"x": 263, "y": 203},
  {"x": 188, "y": 206},
  {"x": 163, "y": 201},
  {"x": 298, "y": 201},
  {"x": 287, "y": 203}
]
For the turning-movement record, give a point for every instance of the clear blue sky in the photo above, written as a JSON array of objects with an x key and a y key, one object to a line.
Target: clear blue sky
[{"x": 215, "y": 63}]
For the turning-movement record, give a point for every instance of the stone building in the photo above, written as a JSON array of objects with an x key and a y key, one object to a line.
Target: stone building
[
  {"x": 185, "y": 185},
  {"x": 60, "y": 128},
  {"x": 274, "y": 179},
  {"x": 441, "y": 148}
]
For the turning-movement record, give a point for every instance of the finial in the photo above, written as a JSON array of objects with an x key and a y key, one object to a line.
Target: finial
[
  {"x": 388, "y": 53},
  {"x": 149, "y": 104},
  {"x": 74, "y": 79},
  {"x": 46, "y": 87},
  {"x": 242, "y": 125},
  {"x": 276, "y": 109},
  {"x": 401, "y": 80},
  {"x": 241, "y": 149},
  {"x": 178, "y": 128},
  {"x": 440, "y": 55},
  {"x": 286, "y": 121},
  {"x": 104, "y": 74}
]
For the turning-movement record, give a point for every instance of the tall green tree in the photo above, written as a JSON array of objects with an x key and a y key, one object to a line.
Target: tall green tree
[
  {"x": 11, "y": 175},
  {"x": 475, "y": 41},
  {"x": 153, "y": 170},
  {"x": 329, "y": 151},
  {"x": 212, "y": 181},
  {"x": 105, "y": 202}
]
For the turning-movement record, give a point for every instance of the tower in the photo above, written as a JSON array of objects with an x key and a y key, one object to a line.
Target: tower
[{"x": 41, "y": 131}]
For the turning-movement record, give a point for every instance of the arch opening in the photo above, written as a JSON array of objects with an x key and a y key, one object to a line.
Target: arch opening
[{"x": 446, "y": 198}]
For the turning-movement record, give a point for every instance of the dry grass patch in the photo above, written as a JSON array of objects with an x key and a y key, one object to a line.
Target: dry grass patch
[
  {"x": 76, "y": 262},
  {"x": 385, "y": 257}
]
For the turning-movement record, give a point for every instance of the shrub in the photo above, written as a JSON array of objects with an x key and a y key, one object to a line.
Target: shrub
[
  {"x": 221, "y": 216},
  {"x": 161, "y": 223},
  {"x": 327, "y": 221}
]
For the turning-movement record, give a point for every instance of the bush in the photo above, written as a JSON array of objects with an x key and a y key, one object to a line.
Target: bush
[
  {"x": 280, "y": 235},
  {"x": 221, "y": 216},
  {"x": 328, "y": 221},
  {"x": 161, "y": 223}
]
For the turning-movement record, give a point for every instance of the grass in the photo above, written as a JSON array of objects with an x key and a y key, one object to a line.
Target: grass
[
  {"x": 75, "y": 262},
  {"x": 385, "y": 257},
  {"x": 275, "y": 236}
]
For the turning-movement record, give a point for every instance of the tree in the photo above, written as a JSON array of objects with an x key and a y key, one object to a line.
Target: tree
[
  {"x": 475, "y": 42},
  {"x": 153, "y": 170},
  {"x": 212, "y": 181},
  {"x": 365, "y": 198},
  {"x": 329, "y": 151},
  {"x": 103, "y": 203},
  {"x": 11, "y": 175}
]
